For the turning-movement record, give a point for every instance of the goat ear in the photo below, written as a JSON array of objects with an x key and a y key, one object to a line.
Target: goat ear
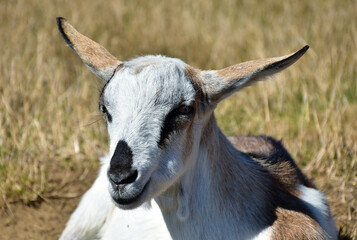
[
  {"x": 220, "y": 84},
  {"x": 96, "y": 57}
]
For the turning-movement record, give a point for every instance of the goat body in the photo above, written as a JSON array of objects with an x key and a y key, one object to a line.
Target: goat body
[{"x": 165, "y": 145}]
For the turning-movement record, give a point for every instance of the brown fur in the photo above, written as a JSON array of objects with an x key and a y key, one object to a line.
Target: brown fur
[
  {"x": 241, "y": 75},
  {"x": 118, "y": 68},
  {"x": 293, "y": 219},
  {"x": 245, "y": 69},
  {"x": 273, "y": 156},
  {"x": 201, "y": 95},
  {"x": 193, "y": 75},
  {"x": 261, "y": 66},
  {"x": 284, "y": 211},
  {"x": 291, "y": 224}
]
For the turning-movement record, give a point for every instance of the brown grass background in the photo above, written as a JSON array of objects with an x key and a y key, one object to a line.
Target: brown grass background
[{"x": 48, "y": 99}]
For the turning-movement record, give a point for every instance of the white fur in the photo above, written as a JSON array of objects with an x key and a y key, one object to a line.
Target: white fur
[
  {"x": 144, "y": 222},
  {"x": 265, "y": 234},
  {"x": 317, "y": 203},
  {"x": 96, "y": 217}
]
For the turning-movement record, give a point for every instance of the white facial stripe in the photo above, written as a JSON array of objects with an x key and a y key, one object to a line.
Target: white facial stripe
[{"x": 139, "y": 97}]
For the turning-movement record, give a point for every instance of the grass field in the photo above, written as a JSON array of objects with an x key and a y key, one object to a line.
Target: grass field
[{"x": 49, "y": 134}]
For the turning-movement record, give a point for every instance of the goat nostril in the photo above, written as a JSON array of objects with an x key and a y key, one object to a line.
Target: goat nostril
[
  {"x": 121, "y": 180},
  {"x": 130, "y": 179}
]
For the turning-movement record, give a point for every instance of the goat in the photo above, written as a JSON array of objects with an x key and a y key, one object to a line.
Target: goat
[{"x": 165, "y": 145}]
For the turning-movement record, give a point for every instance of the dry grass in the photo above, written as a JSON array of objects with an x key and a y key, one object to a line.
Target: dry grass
[{"x": 48, "y": 97}]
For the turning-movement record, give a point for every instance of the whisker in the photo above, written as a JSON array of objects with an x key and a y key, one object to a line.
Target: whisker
[{"x": 95, "y": 121}]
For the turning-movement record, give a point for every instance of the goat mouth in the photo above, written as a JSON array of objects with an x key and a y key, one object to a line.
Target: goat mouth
[{"x": 133, "y": 199}]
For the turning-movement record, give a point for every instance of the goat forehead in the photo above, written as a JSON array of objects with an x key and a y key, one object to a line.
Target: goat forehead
[{"x": 150, "y": 80}]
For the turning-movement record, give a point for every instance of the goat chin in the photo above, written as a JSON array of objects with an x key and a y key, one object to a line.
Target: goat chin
[{"x": 96, "y": 217}]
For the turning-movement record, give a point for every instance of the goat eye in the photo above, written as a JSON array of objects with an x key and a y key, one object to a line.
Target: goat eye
[
  {"x": 186, "y": 110},
  {"x": 103, "y": 109},
  {"x": 175, "y": 120}
]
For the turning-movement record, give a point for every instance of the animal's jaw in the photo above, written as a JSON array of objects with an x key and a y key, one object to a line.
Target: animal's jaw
[{"x": 131, "y": 201}]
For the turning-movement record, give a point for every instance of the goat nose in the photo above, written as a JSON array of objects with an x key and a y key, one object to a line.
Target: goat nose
[
  {"x": 122, "y": 158},
  {"x": 120, "y": 170}
]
